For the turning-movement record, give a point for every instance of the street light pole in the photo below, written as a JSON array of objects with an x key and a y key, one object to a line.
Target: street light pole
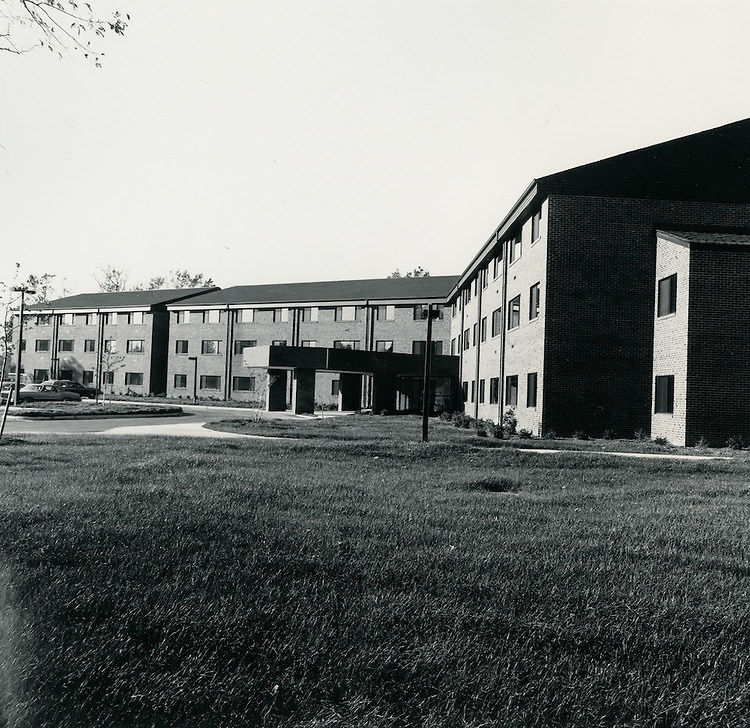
[
  {"x": 23, "y": 290},
  {"x": 194, "y": 359},
  {"x": 427, "y": 372}
]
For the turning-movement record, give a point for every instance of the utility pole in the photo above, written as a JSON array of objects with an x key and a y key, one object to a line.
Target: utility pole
[
  {"x": 427, "y": 371},
  {"x": 23, "y": 290}
]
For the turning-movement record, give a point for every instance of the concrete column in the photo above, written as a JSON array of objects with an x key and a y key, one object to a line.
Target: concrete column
[
  {"x": 303, "y": 391},
  {"x": 384, "y": 393},
  {"x": 276, "y": 390},
  {"x": 350, "y": 392}
]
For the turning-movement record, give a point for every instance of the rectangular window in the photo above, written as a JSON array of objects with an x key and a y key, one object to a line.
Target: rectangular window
[
  {"x": 134, "y": 346},
  {"x": 211, "y": 346},
  {"x": 514, "y": 313},
  {"x": 534, "y": 296},
  {"x": 180, "y": 381},
  {"x": 89, "y": 345},
  {"x": 243, "y": 384},
  {"x": 66, "y": 319},
  {"x": 134, "y": 379},
  {"x": 66, "y": 374},
  {"x": 183, "y": 317},
  {"x": 135, "y": 317},
  {"x": 41, "y": 345},
  {"x": 465, "y": 391},
  {"x": 474, "y": 334},
  {"x": 514, "y": 248},
  {"x": 483, "y": 329},
  {"x": 109, "y": 319},
  {"x": 531, "y": 389},
  {"x": 467, "y": 340},
  {"x": 280, "y": 315},
  {"x": 385, "y": 313},
  {"x": 497, "y": 265},
  {"x": 278, "y": 342},
  {"x": 209, "y": 381},
  {"x": 43, "y": 319},
  {"x": 384, "y": 346},
  {"x": 244, "y": 315},
  {"x": 65, "y": 345},
  {"x": 420, "y": 313},
  {"x": 667, "y": 296},
  {"x": 418, "y": 347},
  {"x": 497, "y": 321},
  {"x": 241, "y": 344},
  {"x": 212, "y": 316},
  {"x": 511, "y": 390},
  {"x": 473, "y": 391},
  {"x": 309, "y": 343},
  {"x": 484, "y": 276},
  {"x": 88, "y": 376},
  {"x": 345, "y": 313},
  {"x": 23, "y": 345},
  {"x": 664, "y": 395},
  {"x": 90, "y": 319},
  {"x": 494, "y": 390},
  {"x": 335, "y": 387},
  {"x": 181, "y": 346},
  {"x": 536, "y": 220},
  {"x": 481, "y": 391},
  {"x": 346, "y": 344},
  {"x": 453, "y": 347},
  {"x": 108, "y": 378},
  {"x": 40, "y": 375},
  {"x": 110, "y": 346}
]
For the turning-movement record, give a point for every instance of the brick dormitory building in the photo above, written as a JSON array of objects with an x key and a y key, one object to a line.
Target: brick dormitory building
[{"x": 612, "y": 296}]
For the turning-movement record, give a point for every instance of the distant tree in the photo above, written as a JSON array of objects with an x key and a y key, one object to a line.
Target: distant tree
[
  {"x": 62, "y": 26},
  {"x": 416, "y": 273},
  {"x": 111, "y": 280},
  {"x": 184, "y": 279}
]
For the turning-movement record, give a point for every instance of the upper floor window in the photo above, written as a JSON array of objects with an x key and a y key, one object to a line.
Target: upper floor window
[
  {"x": 466, "y": 339},
  {"x": 280, "y": 315},
  {"x": 308, "y": 313},
  {"x": 278, "y": 342},
  {"x": 514, "y": 248},
  {"x": 385, "y": 313},
  {"x": 345, "y": 313},
  {"x": 497, "y": 321},
  {"x": 483, "y": 329},
  {"x": 384, "y": 346},
  {"x": 135, "y": 317},
  {"x": 90, "y": 319},
  {"x": 514, "y": 313},
  {"x": 42, "y": 345},
  {"x": 89, "y": 345},
  {"x": 534, "y": 297},
  {"x": 65, "y": 345},
  {"x": 309, "y": 343},
  {"x": 66, "y": 319},
  {"x": 211, "y": 346},
  {"x": 110, "y": 346},
  {"x": 43, "y": 319},
  {"x": 536, "y": 225},
  {"x": 212, "y": 316},
  {"x": 241, "y": 344},
  {"x": 135, "y": 346},
  {"x": 346, "y": 344},
  {"x": 244, "y": 315},
  {"x": 181, "y": 346},
  {"x": 183, "y": 317},
  {"x": 667, "y": 295}
]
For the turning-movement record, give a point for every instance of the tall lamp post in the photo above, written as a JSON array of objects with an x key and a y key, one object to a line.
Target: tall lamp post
[
  {"x": 23, "y": 290},
  {"x": 431, "y": 313},
  {"x": 194, "y": 359}
]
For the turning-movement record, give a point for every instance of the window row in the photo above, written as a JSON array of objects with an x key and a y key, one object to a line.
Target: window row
[
  {"x": 132, "y": 346},
  {"x": 475, "y": 391},
  {"x": 92, "y": 319},
  {"x": 213, "y": 382}
]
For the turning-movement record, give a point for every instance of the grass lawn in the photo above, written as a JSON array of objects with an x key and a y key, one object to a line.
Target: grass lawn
[
  {"x": 83, "y": 410},
  {"x": 365, "y": 579}
]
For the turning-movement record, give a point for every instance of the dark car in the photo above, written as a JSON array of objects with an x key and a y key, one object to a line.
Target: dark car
[
  {"x": 71, "y": 386},
  {"x": 46, "y": 393}
]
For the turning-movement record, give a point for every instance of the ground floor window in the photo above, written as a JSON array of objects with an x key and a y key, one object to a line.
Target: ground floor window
[
  {"x": 384, "y": 346},
  {"x": 531, "y": 389},
  {"x": 209, "y": 381},
  {"x": 481, "y": 391},
  {"x": 180, "y": 381},
  {"x": 134, "y": 379},
  {"x": 494, "y": 390},
  {"x": 335, "y": 386},
  {"x": 40, "y": 375},
  {"x": 66, "y": 374},
  {"x": 243, "y": 384},
  {"x": 664, "y": 394},
  {"x": 511, "y": 390},
  {"x": 88, "y": 377},
  {"x": 108, "y": 378}
]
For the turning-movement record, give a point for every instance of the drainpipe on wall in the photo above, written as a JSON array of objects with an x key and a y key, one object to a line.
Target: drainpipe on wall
[
  {"x": 503, "y": 329},
  {"x": 228, "y": 355},
  {"x": 479, "y": 344},
  {"x": 99, "y": 347}
]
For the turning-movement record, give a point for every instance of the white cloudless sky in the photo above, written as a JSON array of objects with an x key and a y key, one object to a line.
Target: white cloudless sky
[{"x": 288, "y": 140}]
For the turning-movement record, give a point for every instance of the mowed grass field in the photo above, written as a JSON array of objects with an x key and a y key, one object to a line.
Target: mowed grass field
[{"x": 355, "y": 577}]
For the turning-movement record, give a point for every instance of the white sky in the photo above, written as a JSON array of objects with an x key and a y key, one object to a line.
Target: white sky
[{"x": 291, "y": 140}]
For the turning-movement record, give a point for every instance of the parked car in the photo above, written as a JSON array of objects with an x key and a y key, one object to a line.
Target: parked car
[
  {"x": 46, "y": 393},
  {"x": 71, "y": 386}
]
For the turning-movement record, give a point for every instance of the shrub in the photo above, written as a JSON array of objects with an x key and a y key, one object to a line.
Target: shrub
[
  {"x": 550, "y": 435},
  {"x": 735, "y": 442},
  {"x": 509, "y": 422},
  {"x": 609, "y": 434},
  {"x": 641, "y": 435},
  {"x": 661, "y": 441},
  {"x": 701, "y": 443},
  {"x": 524, "y": 433},
  {"x": 580, "y": 435}
]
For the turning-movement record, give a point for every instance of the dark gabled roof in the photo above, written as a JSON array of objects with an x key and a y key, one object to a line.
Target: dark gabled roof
[
  {"x": 378, "y": 289},
  {"x": 710, "y": 166},
  {"x": 123, "y": 299},
  {"x": 706, "y": 238}
]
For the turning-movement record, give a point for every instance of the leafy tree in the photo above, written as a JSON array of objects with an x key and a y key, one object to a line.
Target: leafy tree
[
  {"x": 416, "y": 273},
  {"x": 112, "y": 279},
  {"x": 62, "y": 26},
  {"x": 181, "y": 279}
]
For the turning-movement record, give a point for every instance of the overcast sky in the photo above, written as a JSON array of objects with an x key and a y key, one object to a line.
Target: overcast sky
[{"x": 263, "y": 142}]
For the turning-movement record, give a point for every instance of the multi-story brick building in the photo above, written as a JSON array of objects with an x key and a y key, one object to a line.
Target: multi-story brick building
[
  {"x": 115, "y": 340},
  {"x": 207, "y": 334},
  {"x": 554, "y": 316}
]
